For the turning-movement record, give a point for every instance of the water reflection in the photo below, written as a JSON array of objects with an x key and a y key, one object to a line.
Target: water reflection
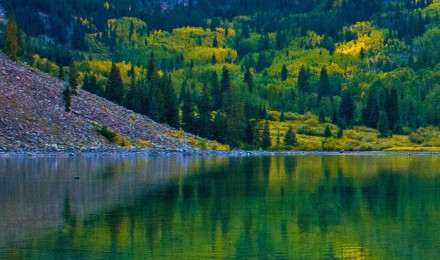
[{"x": 259, "y": 207}]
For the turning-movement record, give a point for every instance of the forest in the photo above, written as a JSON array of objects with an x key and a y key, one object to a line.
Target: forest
[{"x": 281, "y": 75}]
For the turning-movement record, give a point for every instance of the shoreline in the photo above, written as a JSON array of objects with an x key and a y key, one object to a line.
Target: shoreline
[{"x": 151, "y": 153}]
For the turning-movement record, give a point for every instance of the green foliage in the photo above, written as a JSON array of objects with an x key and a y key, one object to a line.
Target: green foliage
[
  {"x": 290, "y": 137},
  {"x": 114, "y": 90},
  {"x": 265, "y": 137},
  {"x": 11, "y": 38},
  {"x": 67, "y": 98},
  {"x": 73, "y": 77},
  {"x": 383, "y": 125}
]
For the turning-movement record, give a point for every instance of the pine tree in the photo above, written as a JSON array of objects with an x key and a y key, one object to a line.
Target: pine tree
[
  {"x": 324, "y": 84},
  {"x": 67, "y": 98},
  {"x": 290, "y": 137},
  {"x": 213, "y": 59},
  {"x": 215, "y": 42},
  {"x": 215, "y": 91},
  {"x": 61, "y": 73},
  {"x": 265, "y": 141},
  {"x": 249, "y": 80},
  {"x": 327, "y": 132},
  {"x": 225, "y": 82},
  {"x": 73, "y": 78},
  {"x": 205, "y": 112},
  {"x": 171, "y": 106},
  {"x": 346, "y": 108},
  {"x": 284, "y": 73},
  {"x": 11, "y": 38},
  {"x": 392, "y": 107},
  {"x": 115, "y": 90},
  {"x": 233, "y": 106},
  {"x": 218, "y": 127},
  {"x": 188, "y": 119},
  {"x": 383, "y": 125},
  {"x": 303, "y": 80}
]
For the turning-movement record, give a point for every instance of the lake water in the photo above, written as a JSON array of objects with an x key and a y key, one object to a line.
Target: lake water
[{"x": 279, "y": 207}]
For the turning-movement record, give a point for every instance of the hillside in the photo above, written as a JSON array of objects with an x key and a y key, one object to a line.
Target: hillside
[{"x": 32, "y": 116}]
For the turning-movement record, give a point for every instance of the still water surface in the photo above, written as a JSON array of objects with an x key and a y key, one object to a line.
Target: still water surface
[{"x": 279, "y": 207}]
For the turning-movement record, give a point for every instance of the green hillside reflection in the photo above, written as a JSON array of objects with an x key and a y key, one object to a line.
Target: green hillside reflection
[{"x": 302, "y": 207}]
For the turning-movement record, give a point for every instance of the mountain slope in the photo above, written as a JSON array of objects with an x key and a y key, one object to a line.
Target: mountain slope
[{"x": 32, "y": 116}]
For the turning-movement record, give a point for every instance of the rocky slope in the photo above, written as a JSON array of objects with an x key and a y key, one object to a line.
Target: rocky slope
[{"x": 32, "y": 116}]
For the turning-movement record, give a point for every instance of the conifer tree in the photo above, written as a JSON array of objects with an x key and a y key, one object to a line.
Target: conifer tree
[
  {"x": 215, "y": 91},
  {"x": 215, "y": 42},
  {"x": 290, "y": 137},
  {"x": 392, "y": 107},
  {"x": 327, "y": 132},
  {"x": 205, "y": 111},
  {"x": 284, "y": 73},
  {"x": 303, "y": 80},
  {"x": 171, "y": 106},
  {"x": 67, "y": 98},
  {"x": 188, "y": 119},
  {"x": 265, "y": 138},
  {"x": 324, "y": 84},
  {"x": 233, "y": 106},
  {"x": 218, "y": 127},
  {"x": 61, "y": 73},
  {"x": 213, "y": 59},
  {"x": 383, "y": 125},
  {"x": 73, "y": 78},
  {"x": 346, "y": 108},
  {"x": 225, "y": 82},
  {"x": 249, "y": 80},
  {"x": 11, "y": 36},
  {"x": 115, "y": 90}
]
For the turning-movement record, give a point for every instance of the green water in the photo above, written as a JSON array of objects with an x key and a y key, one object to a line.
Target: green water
[{"x": 280, "y": 207}]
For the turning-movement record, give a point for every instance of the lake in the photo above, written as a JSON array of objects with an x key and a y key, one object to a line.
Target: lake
[{"x": 271, "y": 207}]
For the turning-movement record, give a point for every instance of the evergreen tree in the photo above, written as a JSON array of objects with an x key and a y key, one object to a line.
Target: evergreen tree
[
  {"x": 372, "y": 111},
  {"x": 303, "y": 80},
  {"x": 11, "y": 38},
  {"x": 67, "y": 98},
  {"x": 327, "y": 132},
  {"x": 61, "y": 73},
  {"x": 225, "y": 82},
  {"x": 249, "y": 80},
  {"x": 251, "y": 137},
  {"x": 115, "y": 90},
  {"x": 205, "y": 112},
  {"x": 324, "y": 84},
  {"x": 290, "y": 137},
  {"x": 233, "y": 106},
  {"x": 284, "y": 73},
  {"x": 262, "y": 62},
  {"x": 392, "y": 107},
  {"x": 215, "y": 91},
  {"x": 171, "y": 106},
  {"x": 383, "y": 125},
  {"x": 266, "y": 141},
  {"x": 188, "y": 119},
  {"x": 73, "y": 78},
  {"x": 346, "y": 108},
  {"x": 340, "y": 133},
  {"x": 213, "y": 59},
  {"x": 215, "y": 42},
  {"x": 153, "y": 110},
  {"x": 218, "y": 127}
]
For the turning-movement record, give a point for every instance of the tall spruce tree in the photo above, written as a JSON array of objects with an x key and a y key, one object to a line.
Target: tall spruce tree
[
  {"x": 233, "y": 106},
  {"x": 171, "y": 106},
  {"x": 290, "y": 137},
  {"x": 249, "y": 80},
  {"x": 215, "y": 91},
  {"x": 303, "y": 80},
  {"x": 73, "y": 78},
  {"x": 346, "y": 108},
  {"x": 392, "y": 107},
  {"x": 324, "y": 84},
  {"x": 188, "y": 119},
  {"x": 205, "y": 112},
  {"x": 114, "y": 90},
  {"x": 284, "y": 73},
  {"x": 67, "y": 98},
  {"x": 265, "y": 138},
  {"x": 225, "y": 82},
  {"x": 383, "y": 125},
  {"x": 11, "y": 37}
]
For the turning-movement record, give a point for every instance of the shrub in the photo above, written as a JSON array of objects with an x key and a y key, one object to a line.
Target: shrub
[
  {"x": 109, "y": 134},
  {"x": 416, "y": 138}
]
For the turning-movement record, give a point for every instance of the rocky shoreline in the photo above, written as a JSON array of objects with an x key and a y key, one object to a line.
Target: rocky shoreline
[{"x": 153, "y": 152}]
